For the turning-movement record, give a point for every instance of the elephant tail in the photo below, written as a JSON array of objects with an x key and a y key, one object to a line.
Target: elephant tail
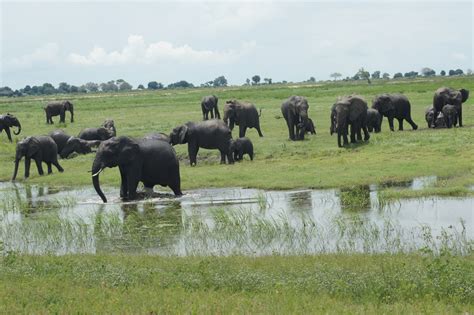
[{"x": 260, "y": 113}]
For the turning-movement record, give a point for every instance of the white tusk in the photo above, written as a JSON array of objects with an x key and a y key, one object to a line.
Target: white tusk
[{"x": 96, "y": 174}]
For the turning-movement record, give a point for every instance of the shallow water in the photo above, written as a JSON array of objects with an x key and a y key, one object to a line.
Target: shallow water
[{"x": 225, "y": 221}]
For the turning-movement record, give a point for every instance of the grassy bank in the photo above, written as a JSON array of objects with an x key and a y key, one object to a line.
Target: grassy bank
[
  {"x": 316, "y": 162},
  {"x": 303, "y": 284}
]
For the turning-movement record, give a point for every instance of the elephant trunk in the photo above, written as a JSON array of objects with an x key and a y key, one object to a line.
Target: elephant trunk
[
  {"x": 72, "y": 114},
  {"x": 17, "y": 161},
  {"x": 18, "y": 130},
  {"x": 96, "y": 169}
]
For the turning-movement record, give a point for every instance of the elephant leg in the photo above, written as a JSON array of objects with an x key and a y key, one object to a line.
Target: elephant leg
[
  {"x": 192, "y": 152},
  {"x": 390, "y": 123},
  {"x": 123, "y": 183},
  {"x": 132, "y": 188},
  {"x": 339, "y": 135},
  {"x": 175, "y": 186},
  {"x": 460, "y": 116},
  {"x": 27, "y": 167},
  {"x": 353, "y": 134},
  {"x": 56, "y": 164},
  {"x": 230, "y": 158},
  {"x": 366, "y": 133},
  {"x": 218, "y": 115},
  {"x": 9, "y": 135},
  {"x": 400, "y": 124},
  {"x": 236, "y": 156},
  {"x": 412, "y": 123},
  {"x": 260, "y": 134},
  {"x": 50, "y": 170},
  {"x": 222, "y": 157},
  {"x": 39, "y": 166},
  {"x": 242, "y": 129},
  {"x": 251, "y": 156},
  {"x": 212, "y": 114}
]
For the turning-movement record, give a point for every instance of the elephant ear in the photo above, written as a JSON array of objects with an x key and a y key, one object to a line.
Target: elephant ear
[
  {"x": 129, "y": 151},
  {"x": 357, "y": 107},
  {"x": 385, "y": 104},
  {"x": 465, "y": 94},
  {"x": 183, "y": 131},
  {"x": 294, "y": 105},
  {"x": 33, "y": 146}
]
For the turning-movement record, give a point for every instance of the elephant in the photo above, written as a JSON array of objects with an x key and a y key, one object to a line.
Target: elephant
[
  {"x": 158, "y": 136},
  {"x": 208, "y": 134},
  {"x": 106, "y": 131},
  {"x": 244, "y": 115},
  {"x": 6, "y": 122},
  {"x": 440, "y": 121},
  {"x": 209, "y": 105},
  {"x": 68, "y": 144},
  {"x": 39, "y": 148},
  {"x": 349, "y": 110},
  {"x": 394, "y": 106},
  {"x": 308, "y": 127},
  {"x": 450, "y": 113},
  {"x": 241, "y": 146},
  {"x": 374, "y": 120},
  {"x": 445, "y": 95},
  {"x": 295, "y": 112},
  {"x": 58, "y": 108},
  {"x": 149, "y": 161}
]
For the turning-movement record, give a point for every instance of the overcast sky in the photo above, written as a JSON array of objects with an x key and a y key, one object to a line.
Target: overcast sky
[{"x": 197, "y": 41}]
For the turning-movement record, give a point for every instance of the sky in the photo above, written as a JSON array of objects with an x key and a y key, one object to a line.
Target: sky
[{"x": 197, "y": 41}]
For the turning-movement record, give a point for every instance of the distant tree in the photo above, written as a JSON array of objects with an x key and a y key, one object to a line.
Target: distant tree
[
  {"x": 356, "y": 77},
  {"x": 365, "y": 75},
  {"x": 64, "y": 87},
  {"x": 91, "y": 87},
  {"x": 35, "y": 90},
  {"x": 6, "y": 91},
  {"x": 73, "y": 89},
  {"x": 335, "y": 75},
  {"x": 284, "y": 82},
  {"x": 458, "y": 72},
  {"x": 27, "y": 89},
  {"x": 125, "y": 86},
  {"x": 140, "y": 87},
  {"x": 180, "y": 84},
  {"x": 312, "y": 79},
  {"x": 247, "y": 81},
  {"x": 82, "y": 89},
  {"x": 48, "y": 88},
  {"x": 255, "y": 80},
  {"x": 267, "y": 80},
  {"x": 442, "y": 73},
  {"x": 428, "y": 72},
  {"x": 469, "y": 72},
  {"x": 385, "y": 75},
  {"x": 376, "y": 75},
  {"x": 219, "y": 81},
  {"x": 109, "y": 86},
  {"x": 153, "y": 85},
  {"x": 411, "y": 74},
  {"x": 398, "y": 75},
  {"x": 451, "y": 72}
]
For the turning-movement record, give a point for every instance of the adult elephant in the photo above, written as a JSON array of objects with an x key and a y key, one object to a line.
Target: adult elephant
[
  {"x": 244, "y": 115},
  {"x": 58, "y": 108},
  {"x": 68, "y": 144},
  {"x": 445, "y": 95},
  {"x": 349, "y": 111},
  {"x": 149, "y": 161},
  {"x": 295, "y": 112},
  {"x": 394, "y": 106},
  {"x": 208, "y": 134},
  {"x": 209, "y": 105},
  {"x": 374, "y": 120},
  {"x": 106, "y": 131},
  {"x": 158, "y": 136},
  {"x": 6, "y": 122},
  {"x": 40, "y": 149}
]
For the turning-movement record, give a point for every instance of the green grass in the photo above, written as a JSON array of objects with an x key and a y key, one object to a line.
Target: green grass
[
  {"x": 302, "y": 284},
  {"x": 314, "y": 163}
]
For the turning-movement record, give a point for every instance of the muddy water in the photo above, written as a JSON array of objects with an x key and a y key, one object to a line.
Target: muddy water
[{"x": 36, "y": 219}]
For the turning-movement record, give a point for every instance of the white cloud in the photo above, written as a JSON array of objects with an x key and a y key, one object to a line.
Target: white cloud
[
  {"x": 46, "y": 54},
  {"x": 136, "y": 51}
]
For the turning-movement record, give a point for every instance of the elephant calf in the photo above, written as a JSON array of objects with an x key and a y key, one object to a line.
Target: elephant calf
[
  {"x": 374, "y": 120},
  {"x": 241, "y": 146},
  {"x": 450, "y": 114},
  {"x": 209, "y": 105},
  {"x": 106, "y": 131},
  {"x": 308, "y": 126},
  {"x": 208, "y": 134},
  {"x": 40, "y": 149},
  {"x": 68, "y": 144},
  {"x": 6, "y": 122},
  {"x": 439, "y": 122}
]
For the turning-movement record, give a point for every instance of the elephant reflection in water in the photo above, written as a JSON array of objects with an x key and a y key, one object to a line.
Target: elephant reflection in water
[
  {"x": 356, "y": 198},
  {"x": 300, "y": 202},
  {"x": 144, "y": 227},
  {"x": 32, "y": 201}
]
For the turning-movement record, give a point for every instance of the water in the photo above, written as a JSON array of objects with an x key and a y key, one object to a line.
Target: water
[{"x": 226, "y": 221}]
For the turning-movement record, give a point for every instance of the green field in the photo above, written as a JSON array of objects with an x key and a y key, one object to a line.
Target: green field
[
  {"x": 420, "y": 282},
  {"x": 314, "y": 163}
]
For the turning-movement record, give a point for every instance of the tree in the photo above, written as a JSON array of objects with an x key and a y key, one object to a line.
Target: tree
[
  {"x": 365, "y": 75},
  {"x": 109, "y": 86},
  {"x": 255, "y": 79},
  {"x": 411, "y": 74},
  {"x": 451, "y": 72},
  {"x": 267, "y": 80},
  {"x": 64, "y": 87},
  {"x": 82, "y": 89},
  {"x": 442, "y": 73},
  {"x": 312, "y": 79},
  {"x": 247, "y": 81},
  {"x": 91, "y": 87},
  {"x": 428, "y": 72},
  {"x": 386, "y": 76},
  {"x": 335, "y": 75},
  {"x": 220, "y": 81},
  {"x": 398, "y": 75},
  {"x": 6, "y": 91},
  {"x": 27, "y": 89},
  {"x": 458, "y": 72},
  {"x": 153, "y": 85},
  {"x": 48, "y": 88},
  {"x": 73, "y": 89},
  {"x": 376, "y": 75},
  {"x": 140, "y": 87},
  {"x": 180, "y": 84}
]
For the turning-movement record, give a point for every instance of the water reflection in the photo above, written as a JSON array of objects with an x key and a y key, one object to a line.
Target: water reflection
[{"x": 228, "y": 221}]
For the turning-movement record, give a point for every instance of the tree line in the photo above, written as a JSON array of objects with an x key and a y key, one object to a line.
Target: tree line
[{"x": 122, "y": 85}]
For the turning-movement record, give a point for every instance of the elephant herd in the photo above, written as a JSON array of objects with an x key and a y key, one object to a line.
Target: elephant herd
[{"x": 153, "y": 161}]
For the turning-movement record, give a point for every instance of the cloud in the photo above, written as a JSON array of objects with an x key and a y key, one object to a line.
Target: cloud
[
  {"x": 459, "y": 56},
  {"x": 137, "y": 51},
  {"x": 47, "y": 54}
]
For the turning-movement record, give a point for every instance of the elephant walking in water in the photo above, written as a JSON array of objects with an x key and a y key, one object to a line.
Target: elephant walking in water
[
  {"x": 58, "y": 108},
  {"x": 209, "y": 105},
  {"x": 444, "y": 96},
  {"x": 6, "y": 122}
]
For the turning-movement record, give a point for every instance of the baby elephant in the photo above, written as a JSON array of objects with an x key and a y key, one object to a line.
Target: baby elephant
[
  {"x": 241, "y": 146},
  {"x": 306, "y": 127},
  {"x": 450, "y": 113}
]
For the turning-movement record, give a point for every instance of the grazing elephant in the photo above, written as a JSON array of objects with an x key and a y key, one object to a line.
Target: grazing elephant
[
  {"x": 6, "y": 122},
  {"x": 149, "y": 161},
  {"x": 244, "y": 115},
  {"x": 295, "y": 111},
  {"x": 106, "y": 131},
  {"x": 374, "y": 120},
  {"x": 454, "y": 97},
  {"x": 209, "y": 104},
  {"x": 158, "y": 136},
  {"x": 241, "y": 146},
  {"x": 68, "y": 144},
  {"x": 450, "y": 113},
  {"x": 58, "y": 108},
  {"x": 308, "y": 127},
  {"x": 39, "y": 148},
  {"x": 349, "y": 110},
  {"x": 208, "y": 134},
  {"x": 394, "y": 106}
]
